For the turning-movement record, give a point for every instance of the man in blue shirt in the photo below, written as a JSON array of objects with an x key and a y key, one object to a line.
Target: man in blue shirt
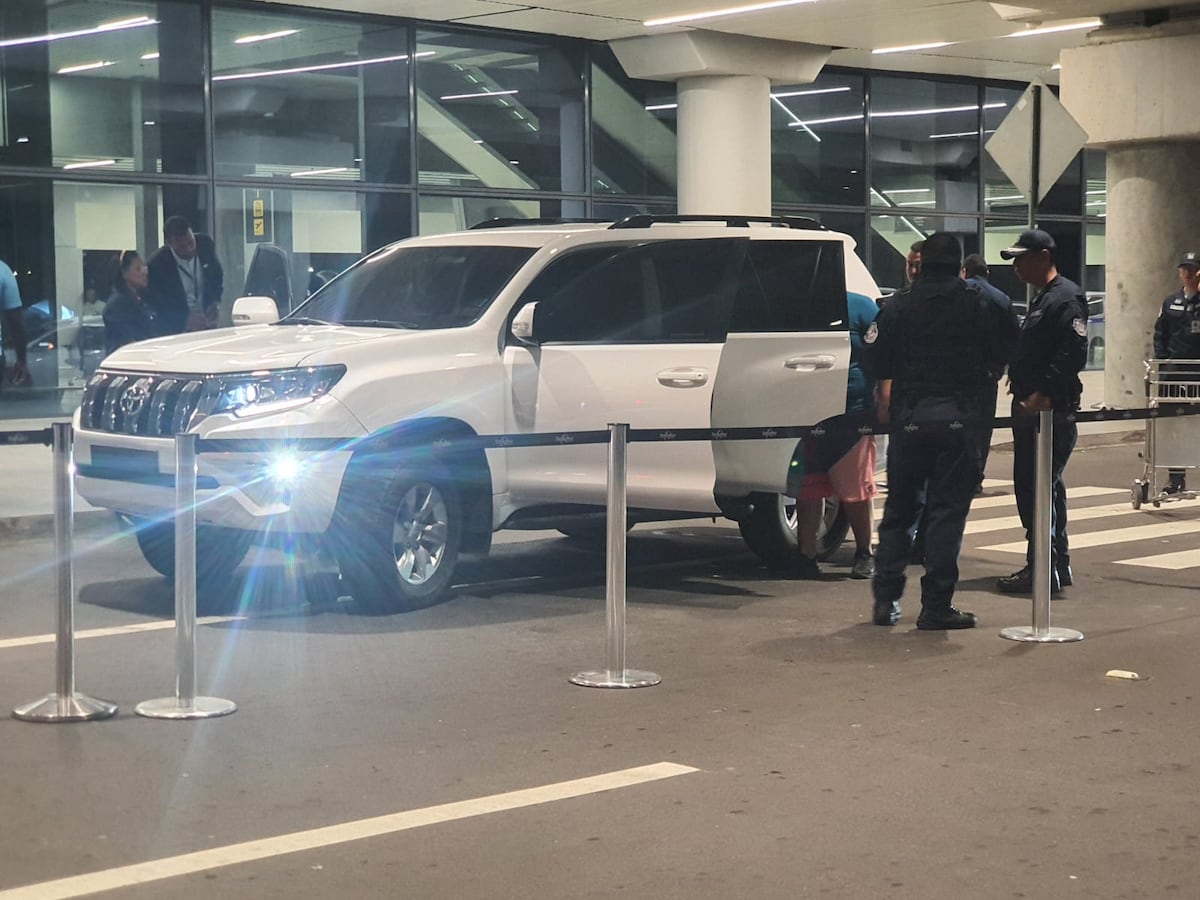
[{"x": 13, "y": 324}]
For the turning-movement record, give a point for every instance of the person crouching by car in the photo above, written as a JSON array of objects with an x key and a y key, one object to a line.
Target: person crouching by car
[{"x": 126, "y": 317}]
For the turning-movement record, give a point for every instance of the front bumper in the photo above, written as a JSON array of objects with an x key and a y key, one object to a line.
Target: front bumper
[{"x": 135, "y": 474}]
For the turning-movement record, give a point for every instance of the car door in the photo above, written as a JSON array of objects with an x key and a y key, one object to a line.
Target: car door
[
  {"x": 785, "y": 360},
  {"x": 624, "y": 333}
]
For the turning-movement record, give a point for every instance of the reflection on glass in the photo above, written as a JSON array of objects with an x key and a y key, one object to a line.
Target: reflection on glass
[
  {"x": 1000, "y": 195},
  {"x": 1095, "y": 201},
  {"x": 924, "y": 144},
  {"x": 106, "y": 85},
  {"x": 302, "y": 97},
  {"x": 633, "y": 131},
  {"x": 318, "y": 232},
  {"x": 499, "y": 112},
  {"x": 817, "y": 141},
  {"x": 438, "y": 215},
  {"x": 892, "y": 238}
]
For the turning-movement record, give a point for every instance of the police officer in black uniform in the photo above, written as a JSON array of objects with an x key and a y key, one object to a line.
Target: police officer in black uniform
[
  {"x": 1177, "y": 333},
  {"x": 1044, "y": 375},
  {"x": 934, "y": 347}
]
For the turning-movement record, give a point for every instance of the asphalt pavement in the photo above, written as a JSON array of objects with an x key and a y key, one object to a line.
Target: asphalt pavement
[{"x": 792, "y": 749}]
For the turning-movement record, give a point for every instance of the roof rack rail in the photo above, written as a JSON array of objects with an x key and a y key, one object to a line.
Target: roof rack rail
[
  {"x": 516, "y": 223},
  {"x": 645, "y": 220}
]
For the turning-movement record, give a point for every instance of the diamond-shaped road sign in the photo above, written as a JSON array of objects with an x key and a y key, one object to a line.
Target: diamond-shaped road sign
[{"x": 1011, "y": 145}]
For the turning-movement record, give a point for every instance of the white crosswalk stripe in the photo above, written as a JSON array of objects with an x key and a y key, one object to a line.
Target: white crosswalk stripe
[{"x": 1149, "y": 525}]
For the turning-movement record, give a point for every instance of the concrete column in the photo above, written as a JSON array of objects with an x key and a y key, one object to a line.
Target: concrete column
[
  {"x": 1151, "y": 222},
  {"x": 724, "y": 137},
  {"x": 725, "y": 144},
  {"x": 1130, "y": 89}
]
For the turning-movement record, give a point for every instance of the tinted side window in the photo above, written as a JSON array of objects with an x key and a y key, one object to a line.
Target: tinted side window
[
  {"x": 661, "y": 292},
  {"x": 791, "y": 286}
]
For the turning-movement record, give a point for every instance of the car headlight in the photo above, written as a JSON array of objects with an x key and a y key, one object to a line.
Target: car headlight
[{"x": 267, "y": 392}]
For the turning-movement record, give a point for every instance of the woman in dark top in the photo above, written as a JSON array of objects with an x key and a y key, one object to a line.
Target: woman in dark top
[{"x": 126, "y": 318}]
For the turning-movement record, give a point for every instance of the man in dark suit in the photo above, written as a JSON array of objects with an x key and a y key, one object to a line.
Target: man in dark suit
[{"x": 186, "y": 280}]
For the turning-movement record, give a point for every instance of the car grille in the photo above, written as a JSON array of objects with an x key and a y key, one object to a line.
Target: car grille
[{"x": 154, "y": 405}]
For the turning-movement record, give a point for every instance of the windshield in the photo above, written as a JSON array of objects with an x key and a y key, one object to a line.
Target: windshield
[{"x": 415, "y": 287}]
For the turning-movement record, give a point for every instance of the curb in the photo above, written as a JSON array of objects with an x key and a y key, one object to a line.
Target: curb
[{"x": 30, "y": 527}]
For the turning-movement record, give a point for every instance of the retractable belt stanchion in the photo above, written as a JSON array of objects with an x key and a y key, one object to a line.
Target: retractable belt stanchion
[
  {"x": 185, "y": 704},
  {"x": 615, "y": 675},
  {"x": 65, "y": 704},
  {"x": 1043, "y": 497}
]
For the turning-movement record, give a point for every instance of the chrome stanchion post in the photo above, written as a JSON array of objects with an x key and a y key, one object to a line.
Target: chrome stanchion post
[
  {"x": 65, "y": 704},
  {"x": 185, "y": 704},
  {"x": 615, "y": 675},
  {"x": 1043, "y": 502}
]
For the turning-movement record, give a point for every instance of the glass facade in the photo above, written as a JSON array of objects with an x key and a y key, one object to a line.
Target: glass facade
[{"x": 315, "y": 137}]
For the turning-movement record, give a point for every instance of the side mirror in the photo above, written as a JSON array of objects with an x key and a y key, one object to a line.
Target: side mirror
[
  {"x": 255, "y": 311},
  {"x": 522, "y": 324}
]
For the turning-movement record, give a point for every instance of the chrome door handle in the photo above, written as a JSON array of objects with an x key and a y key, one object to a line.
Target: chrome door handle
[
  {"x": 683, "y": 377},
  {"x": 810, "y": 363}
]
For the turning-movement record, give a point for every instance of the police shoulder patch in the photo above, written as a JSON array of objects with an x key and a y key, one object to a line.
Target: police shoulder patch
[
  {"x": 872, "y": 333},
  {"x": 1080, "y": 327}
]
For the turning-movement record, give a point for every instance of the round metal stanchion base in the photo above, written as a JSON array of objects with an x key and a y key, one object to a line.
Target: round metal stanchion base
[
  {"x": 628, "y": 678},
  {"x": 174, "y": 708},
  {"x": 75, "y": 708},
  {"x": 1050, "y": 636}
]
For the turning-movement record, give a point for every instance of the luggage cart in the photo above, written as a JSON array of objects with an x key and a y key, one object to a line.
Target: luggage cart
[{"x": 1171, "y": 443}]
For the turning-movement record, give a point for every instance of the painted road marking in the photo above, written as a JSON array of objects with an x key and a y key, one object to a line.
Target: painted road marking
[
  {"x": 1000, "y": 523},
  {"x": 1182, "y": 559},
  {"x": 35, "y": 639},
  {"x": 233, "y": 854},
  {"x": 1113, "y": 536},
  {"x": 1076, "y": 493}
]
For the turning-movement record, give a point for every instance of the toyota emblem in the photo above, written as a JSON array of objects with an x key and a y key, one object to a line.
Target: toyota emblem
[{"x": 133, "y": 401}]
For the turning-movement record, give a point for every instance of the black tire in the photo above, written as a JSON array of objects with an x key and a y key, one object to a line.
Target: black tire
[
  {"x": 397, "y": 549},
  {"x": 219, "y": 551},
  {"x": 770, "y": 529}
]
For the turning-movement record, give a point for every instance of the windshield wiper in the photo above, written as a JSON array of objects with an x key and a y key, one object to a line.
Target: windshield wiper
[
  {"x": 381, "y": 323},
  {"x": 303, "y": 320}
]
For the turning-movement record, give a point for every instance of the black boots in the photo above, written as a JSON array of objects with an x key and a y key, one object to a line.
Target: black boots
[
  {"x": 886, "y": 612},
  {"x": 1021, "y": 582},
  {"x": 944, "y": 618}
]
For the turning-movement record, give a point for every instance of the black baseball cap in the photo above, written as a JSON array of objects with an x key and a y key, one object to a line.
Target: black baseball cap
[
  {"x": 1190, "y": 258},
  {"x": 1031, "y": 240}
]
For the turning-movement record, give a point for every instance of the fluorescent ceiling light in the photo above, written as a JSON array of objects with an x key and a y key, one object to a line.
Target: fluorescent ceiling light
[
  {"x": 151, "y": 55},
  {"x": 119, "y": 25},
  {"x": 92, "y": 164},
  {"x": 310, "y": 172},
  {"x": 86, "y": 67},
  {"x": 907, "y": 190},
  {"x": 917, "y": 203},
  {"x": 268, "y": 36},
  {"x": 958, "y": 134},
  {"x": 896, "y": 113},
  {"x": 476, "y": 94},
  {"x": 1005, "y": 197},
  {"x": 1055, "y": 29},
  {"x": 911, "y": 47},
  {"x": 796, "y": 122},
  {"x": 323, "y": 67},
  {"x": 834, "y": 90},
  {"x": 715, "y": 13}
]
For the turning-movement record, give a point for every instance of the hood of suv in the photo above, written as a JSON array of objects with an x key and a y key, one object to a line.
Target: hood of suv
[{"x": 244, "y": 349}]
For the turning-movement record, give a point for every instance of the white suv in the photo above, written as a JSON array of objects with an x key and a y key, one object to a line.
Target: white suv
[{"x": 660, "y": 322}]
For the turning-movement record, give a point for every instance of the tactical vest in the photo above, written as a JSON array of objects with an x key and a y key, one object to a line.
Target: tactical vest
[
  {"x": 945, "y": 332},
  {"x": 1184, "y": 342}
]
